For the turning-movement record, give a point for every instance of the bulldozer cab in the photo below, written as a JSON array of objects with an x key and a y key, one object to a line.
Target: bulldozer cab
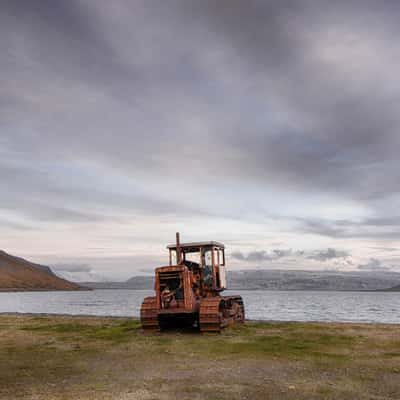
[{"x": 206, "y": 261}]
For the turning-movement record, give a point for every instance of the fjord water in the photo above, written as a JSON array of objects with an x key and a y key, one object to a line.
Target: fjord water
[{"x": 381, "y": 307}]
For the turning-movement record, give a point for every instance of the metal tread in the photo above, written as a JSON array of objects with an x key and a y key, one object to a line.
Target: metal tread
[{"x": 149, "y": 315}]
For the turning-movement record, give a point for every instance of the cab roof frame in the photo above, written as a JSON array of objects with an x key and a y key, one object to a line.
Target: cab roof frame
[{"x": 195, "y": 246}]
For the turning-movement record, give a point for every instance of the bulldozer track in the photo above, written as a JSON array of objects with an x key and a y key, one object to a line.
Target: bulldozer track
[
  {"x": 218, "y": 312},
  {"x": 149, "y": 315}
]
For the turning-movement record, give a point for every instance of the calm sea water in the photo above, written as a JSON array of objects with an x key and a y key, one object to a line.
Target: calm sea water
[{"x": 262, "y": 305}]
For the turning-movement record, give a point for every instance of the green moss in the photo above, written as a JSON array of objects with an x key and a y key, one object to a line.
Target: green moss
[
  {"x": 279, "y": 340},
  {"x": 29, "y": 363},
  {"x": 272, "y": 345},
  {"x": 115, "y": 331},
  {"x": 391, "y": 354}
]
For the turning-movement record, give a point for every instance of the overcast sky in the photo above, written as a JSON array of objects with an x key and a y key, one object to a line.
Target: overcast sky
[{"x": 272, "y": 126}]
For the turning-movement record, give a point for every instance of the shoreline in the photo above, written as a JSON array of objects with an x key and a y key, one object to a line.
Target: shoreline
[
  {"x": 18, "y": 290},
  {"x": 89, "y": 289},
  {"x": 134, "y": 318}
]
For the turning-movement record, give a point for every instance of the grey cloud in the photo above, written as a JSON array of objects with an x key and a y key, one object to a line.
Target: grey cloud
[
  {"x": 328, "y": 254},
  {"x": 262, "y": 255},
  {"x": 321, "y": 227},
  {"x": 299, "y": 97},
  {"x": 256, "y": 37},
  {"x": 76, "y": 272},
  {"x": 252, "y": 256},
  {"x": 61, "y": 38},
  {"x": 279, "y": 253},
  {"x": 337, "y": 151},
  {"x": 146, "y": 270},
  {"x": 72, "y": 267},
  {"x": 393, "y": 220},
  {"x": 276, "y": 254},
  {"x": 43, "y": 195},
  {"x": 373, "y": 265},
  {"x": 43, "y": 211},
  {"x": 97, "y": 268},
  {"x": 15, "y": 225},
  {"x": 385, "y": 249},
  {"x": 48, "y": 213},
  {"x": 238, "y": 255},
  {"x": 389, "y": 227}
]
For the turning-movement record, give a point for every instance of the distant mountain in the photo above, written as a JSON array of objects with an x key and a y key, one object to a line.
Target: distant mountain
[
  {"x": 393, "y": 289},
  {"x": 137, "y": 283},
  {"x": 312, "y": 280},
  {"x": 19, "y": 274},
  {"x": 282, "y": 280}
]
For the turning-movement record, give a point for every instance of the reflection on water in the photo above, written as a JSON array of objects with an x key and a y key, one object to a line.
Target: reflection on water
[{"x": 263, "y": 305}]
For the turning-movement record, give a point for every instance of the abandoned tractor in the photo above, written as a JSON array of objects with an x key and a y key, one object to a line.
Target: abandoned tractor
[{"x": 188, "y": 291}]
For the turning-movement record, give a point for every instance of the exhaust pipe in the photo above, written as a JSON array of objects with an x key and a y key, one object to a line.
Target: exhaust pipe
[{"x": 178, "y": 249}]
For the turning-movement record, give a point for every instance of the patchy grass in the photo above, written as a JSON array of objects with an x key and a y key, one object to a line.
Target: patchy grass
[
  {"x": 109, "y": 358},
  {"x": 290, "y": 346},
  {"x": 113, "y": 330}
]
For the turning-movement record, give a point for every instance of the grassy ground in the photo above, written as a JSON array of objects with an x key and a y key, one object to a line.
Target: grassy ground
[{"x": 106, "y": 358}]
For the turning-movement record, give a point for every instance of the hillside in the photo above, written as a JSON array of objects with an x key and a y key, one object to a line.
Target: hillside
[{"x": 19, "y": 274}]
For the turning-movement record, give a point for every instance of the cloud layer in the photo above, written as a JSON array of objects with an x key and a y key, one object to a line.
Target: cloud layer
[{"x": 244, "y": 121}]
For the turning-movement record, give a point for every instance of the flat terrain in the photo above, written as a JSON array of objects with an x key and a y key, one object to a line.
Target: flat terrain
[{"x": 109, "y": 358}]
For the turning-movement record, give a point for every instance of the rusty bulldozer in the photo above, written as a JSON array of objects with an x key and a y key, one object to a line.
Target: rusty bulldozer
[{"x": 188, "y": 291}]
